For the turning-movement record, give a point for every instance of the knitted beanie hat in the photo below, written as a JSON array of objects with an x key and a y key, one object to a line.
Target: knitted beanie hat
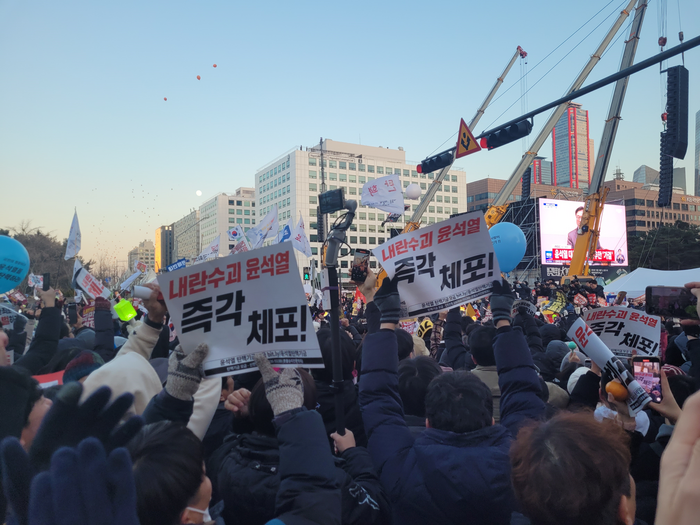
[{"x": 81, "y": 366}]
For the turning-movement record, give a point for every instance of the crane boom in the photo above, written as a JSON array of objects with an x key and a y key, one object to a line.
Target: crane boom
[
  {"x": 496, "y": 211},
  {"x": 414, "y": 223},
  {"x": 589, "y": 228}
]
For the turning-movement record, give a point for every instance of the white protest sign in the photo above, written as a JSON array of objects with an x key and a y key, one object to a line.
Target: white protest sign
[
  {"x": 240, "y": 305},
  {"x": 591, "y": 345},
  {"x": 35, "y": 280},
  {"x": 91, "y": 286},
  {"x": 8, "y": 317},
  {"x": 624, "y": 331},
  {"x": 446, "y": 264},
  {"x": 384, "y": 193},
  {"x": 517, "y": 305}
]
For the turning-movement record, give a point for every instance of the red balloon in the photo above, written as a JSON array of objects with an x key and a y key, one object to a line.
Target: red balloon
[
  {"x": 198, "y": 77},
  {"x": 165, "y": 98},
  {"x": 214, "y": 65}
]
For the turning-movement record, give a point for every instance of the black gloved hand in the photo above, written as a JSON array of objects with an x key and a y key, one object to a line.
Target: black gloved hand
[
  {"x": 502, "y": 299},
  {"x": 388, "y": 301}
]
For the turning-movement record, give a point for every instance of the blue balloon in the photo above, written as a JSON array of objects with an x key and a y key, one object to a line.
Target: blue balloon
[
  {"x": 509, "y": 244},
  {"x": 14, "y": 261}
]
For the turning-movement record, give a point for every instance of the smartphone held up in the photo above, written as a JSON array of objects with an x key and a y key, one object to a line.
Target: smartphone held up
[
  {"x": 647, "y": 372},
  {"x": 360, "y": 266},
  {"x": 671, "y": 301}
]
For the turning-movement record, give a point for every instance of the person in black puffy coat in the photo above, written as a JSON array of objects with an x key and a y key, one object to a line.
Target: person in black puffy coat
[{"x": 245, "y": 471}]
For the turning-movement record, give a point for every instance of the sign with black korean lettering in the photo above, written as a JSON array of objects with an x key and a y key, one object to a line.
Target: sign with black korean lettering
[
  {"x": 241, "y": 305},
  {"x": 443, "y": 265},
  {"x": 624, "y": 330}
]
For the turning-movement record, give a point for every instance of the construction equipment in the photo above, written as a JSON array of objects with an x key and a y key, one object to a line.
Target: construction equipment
[
  {"x": 497, "y": 210},
  {"x": 589, "y": 228},
  {"x": 414, "y": 222}
]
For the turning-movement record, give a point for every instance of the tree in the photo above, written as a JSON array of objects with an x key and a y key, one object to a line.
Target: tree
[
  {"x": 46, "y": 255},
  {"x": 674, "y": 247}
]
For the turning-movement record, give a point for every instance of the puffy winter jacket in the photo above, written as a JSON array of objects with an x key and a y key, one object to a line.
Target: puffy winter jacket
[
  {"x": 441, "y": 477},
  {"x": 326, "y": 407},
  {"x": 245, "y": 473}
]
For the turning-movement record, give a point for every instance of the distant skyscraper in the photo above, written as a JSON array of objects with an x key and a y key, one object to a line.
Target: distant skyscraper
[
  {"x": 541, "y": 171},
  {"x": 571, "y": 149},
  {"x": 697, "y": 153},
  {"x": 679, "y": 178},
  {"x": 646, "y": 175}
]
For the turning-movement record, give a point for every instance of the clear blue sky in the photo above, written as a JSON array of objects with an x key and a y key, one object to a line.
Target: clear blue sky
[{"x": 83, "y": 122}]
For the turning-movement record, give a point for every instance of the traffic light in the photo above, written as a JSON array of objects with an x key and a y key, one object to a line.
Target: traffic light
[
  {"x": 307, "y": 273},
  {"x": 320, "y": 225},
  {"x": 677, "y": 111},
  {"x": 507, "y": 135},
  {"x": 665, "y": 172},
  {"x": 436, "y": 162},
  {"x": 526, "y": 184}
]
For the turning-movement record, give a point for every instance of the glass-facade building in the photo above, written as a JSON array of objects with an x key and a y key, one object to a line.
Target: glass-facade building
[{"x": 572, "y": 149}]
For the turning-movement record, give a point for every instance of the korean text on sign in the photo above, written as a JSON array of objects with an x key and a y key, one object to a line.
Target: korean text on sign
[
  {"x": 625, "y": 331},
  {"x": 241, "y": 305},
  {"x": 442, "y": 265}
]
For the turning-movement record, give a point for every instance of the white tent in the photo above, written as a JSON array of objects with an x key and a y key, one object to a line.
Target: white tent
[{"x": 635, "y": 283}]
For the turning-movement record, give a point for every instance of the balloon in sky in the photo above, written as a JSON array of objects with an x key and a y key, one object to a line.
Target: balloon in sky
[
  {"x": 15, "y": 260},
  {"x": 165, "y": 98},
  {"x": 413, "y": 191},
  {"x": 509, "y": 244},
  {"x": 199, "y": 78},
  {"x": 214, "y": 65}
]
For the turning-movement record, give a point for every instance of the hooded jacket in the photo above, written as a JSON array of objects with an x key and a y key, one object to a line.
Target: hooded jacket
[
  {"x": 441, "y": 477},
  {"x": 245, "y": 473}
]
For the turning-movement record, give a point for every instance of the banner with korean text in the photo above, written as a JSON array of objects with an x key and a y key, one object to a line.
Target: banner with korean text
[
  {"x": 624, "y": 330},
  {"x": 240, "y": 305},
  {"x": 443, "y": 265}
]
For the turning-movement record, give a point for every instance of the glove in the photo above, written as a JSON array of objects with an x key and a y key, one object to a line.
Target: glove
[
  {"x": 388, "y": 301},
  {"x": 284, "y": 391},
  {"x": 65, "y": 424},
  {"x": 102, "y": 304},
  {"x": 86, "y": 485},
  {"x": 502, "y": 299},
  {"x": 185, "y": 373}
]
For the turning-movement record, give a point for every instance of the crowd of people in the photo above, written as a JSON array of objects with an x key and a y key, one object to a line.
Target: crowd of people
[{"x": 490, "y": 418}]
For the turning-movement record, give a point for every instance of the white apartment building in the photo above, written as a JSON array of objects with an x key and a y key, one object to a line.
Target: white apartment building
[
  {"x": 144, "y": 252},
  {"x": 293, "y": 182},
  {"x": 222, "y": 212},
  {"x": 186, "y": 237}
]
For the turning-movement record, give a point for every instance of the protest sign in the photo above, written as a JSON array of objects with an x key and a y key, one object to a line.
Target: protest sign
[
  {"x": 580, "y": 300},
  {"x": 591, "y": 345},
  {"x": 556, "y": 304},
  {"x": 91, "y": 286},
  {"x": 180, "y": 263},
  {"x": 35, "y": 280},
  {"x": 624, "y": 330},
  {"x": 517, "y": 305},
  {"x": 443, "y": 265},
  {"x": 410, "y": 325},
  {"x": 384, "y": 193},
  {"x": 8, "y": 317},
  {"x": 88, "y": 315},
  {"x": 141, "y": 266},
  {"x": 240, "y": 305},
  {"x": 48, "y": 380},
  {"x": 241, "y": 246}
]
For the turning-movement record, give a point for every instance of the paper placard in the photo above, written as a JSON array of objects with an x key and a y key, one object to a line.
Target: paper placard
[
  {"x": 440, "y": 266},
  {"x": 625, "y": 331},
  {"x": 241, "y": 305}
]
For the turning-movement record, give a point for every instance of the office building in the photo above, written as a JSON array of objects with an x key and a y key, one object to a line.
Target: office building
[
  {"x": 293, "y": 182},
  {"x": 145, "y": 252},
  {"x": 164, "y": 248},
  {"x": 221, "y": 213},
  {"x": 697, "y": 154},
  {"x": 481, "y": 193},
  {"x": 572, "y": 149},
  {"x": 642, "y": 212},
  {"x": 541, "y": 171},
  {"x": 645, "y": 175},
  {"x": 186, "y": 239}
]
